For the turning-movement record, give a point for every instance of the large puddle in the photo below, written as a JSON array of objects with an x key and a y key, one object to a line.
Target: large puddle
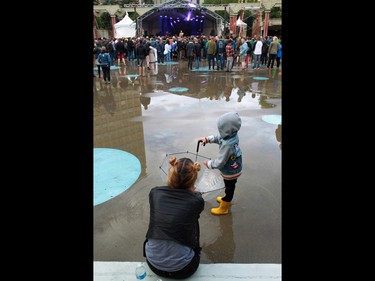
[{"x": 149, "y": 117}]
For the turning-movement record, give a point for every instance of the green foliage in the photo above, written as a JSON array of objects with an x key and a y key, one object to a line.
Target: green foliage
[
  {"x": 275, "y": 12},
  {"x": 99, "y": 22},
  {"x": 105, "y": 21},
  {"x": 224, "y": 14}
]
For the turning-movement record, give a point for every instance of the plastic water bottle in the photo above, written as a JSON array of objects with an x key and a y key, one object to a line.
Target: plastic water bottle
[{"x": 140, "y": 272}]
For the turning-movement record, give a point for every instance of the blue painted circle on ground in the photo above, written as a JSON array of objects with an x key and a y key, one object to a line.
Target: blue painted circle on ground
[
  {"x": 272, "y": 119},
  {"x": 260, "y": 78},
  {"x": 114, "y": 172},
  {"x": 178, "y": 89}
]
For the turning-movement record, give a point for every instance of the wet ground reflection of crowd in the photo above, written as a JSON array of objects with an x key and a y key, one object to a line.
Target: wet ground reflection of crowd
[{"x": 214, "y": 85}]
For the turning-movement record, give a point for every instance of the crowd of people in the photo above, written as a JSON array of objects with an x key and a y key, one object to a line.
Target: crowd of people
[{"x": 220, "y": 53}]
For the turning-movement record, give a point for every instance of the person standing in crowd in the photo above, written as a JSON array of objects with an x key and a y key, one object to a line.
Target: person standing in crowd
[
  {"x": 257, "y": 53},
  {"x": 264, "y": 56},
  {"x": 167, "y": 50},
  {"x": 272, "y": 52},
  {"x": 203, "y": 41},
  {"x": 141, "y": 52},
  {"x": 121, "y": 51},
  {"x": 190, "y": 53},
  {"x": 160, "y": 49},
  {"x": 174, "y": 50},
  {"x": 130, "y": 49},
  {"x": 243, "y": 53},
  {"x": 197, "y": 51},
  {"x": 278, "y": 55},
  {"x": 111, "y": 49},
  {"x": 105, "y": 62},
  {"x": 147, "y": 46},
  {"x": 230, "y": 55},
  {"x": 249, "y": 55},
  {"x": 229, "y": 159},
  {"x": 211, "y": 52},
  {"x": 153, "y": 60},
  {"x": 220, "y": 50},
  {"x": 96, "y": 52},
  {"x": 172, "y": 245}
]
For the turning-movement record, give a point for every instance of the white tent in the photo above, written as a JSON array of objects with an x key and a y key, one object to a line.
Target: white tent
[
  {"x": 240, "y": 23},
  {"x": 125, "y": 27}
]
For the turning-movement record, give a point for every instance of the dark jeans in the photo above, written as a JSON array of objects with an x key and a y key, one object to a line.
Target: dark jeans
[
  {"x": 106, "y": 72},
  {"x": 190, "y": 62},
  {"x": 278, "y": 59},
  {"x": 211, "y": 58},
  {"x": 263, "y": 59},
  {"x": 220, "y": 61},
  {"x": 186, "y": 272},
  {"x": 160, "y": 57},
  {"x": 230, "y": 186},
  {"x": 271, "y": 60}
]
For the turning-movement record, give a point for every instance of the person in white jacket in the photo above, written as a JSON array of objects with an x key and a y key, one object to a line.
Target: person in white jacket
[
  {"x": 153, "y": 60},
  {"x": 167, "y": 51},
  {"x": 257, "y": 53}
]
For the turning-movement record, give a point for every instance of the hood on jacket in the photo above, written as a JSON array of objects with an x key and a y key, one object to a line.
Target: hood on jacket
[{"x": 228, "y": 124}]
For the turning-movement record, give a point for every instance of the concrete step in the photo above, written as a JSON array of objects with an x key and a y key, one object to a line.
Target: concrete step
[{"x": 125, "y": 271}]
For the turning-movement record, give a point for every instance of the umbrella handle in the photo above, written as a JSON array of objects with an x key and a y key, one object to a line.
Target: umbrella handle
[{"x": 199, "y": 143}]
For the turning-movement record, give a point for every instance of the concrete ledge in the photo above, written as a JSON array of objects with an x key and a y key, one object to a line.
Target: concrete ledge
[{"x": 125, "y": 271}]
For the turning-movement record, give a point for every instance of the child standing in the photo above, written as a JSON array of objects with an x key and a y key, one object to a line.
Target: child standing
[{"x": 229, "y": 160}]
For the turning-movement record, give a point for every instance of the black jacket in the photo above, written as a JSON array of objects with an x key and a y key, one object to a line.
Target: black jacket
[{"x": 174, "y": 215}]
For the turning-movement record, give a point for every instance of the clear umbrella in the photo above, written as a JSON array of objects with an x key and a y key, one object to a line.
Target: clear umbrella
[{"x": 209, "y": 182}]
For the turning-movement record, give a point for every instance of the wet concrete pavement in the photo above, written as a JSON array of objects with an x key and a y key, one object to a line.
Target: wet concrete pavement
[{"x": 165, "y": 113}]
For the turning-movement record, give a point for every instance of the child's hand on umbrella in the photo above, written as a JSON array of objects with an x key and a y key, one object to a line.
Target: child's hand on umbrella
[
  {"x": 203, "y": 140},
  {"x": 205, "y": 163}
]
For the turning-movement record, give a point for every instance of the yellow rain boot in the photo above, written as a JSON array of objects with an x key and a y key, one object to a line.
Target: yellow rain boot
[
  {"x": 219, "y": 199},
  {"x": 223, "y": 209}
]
